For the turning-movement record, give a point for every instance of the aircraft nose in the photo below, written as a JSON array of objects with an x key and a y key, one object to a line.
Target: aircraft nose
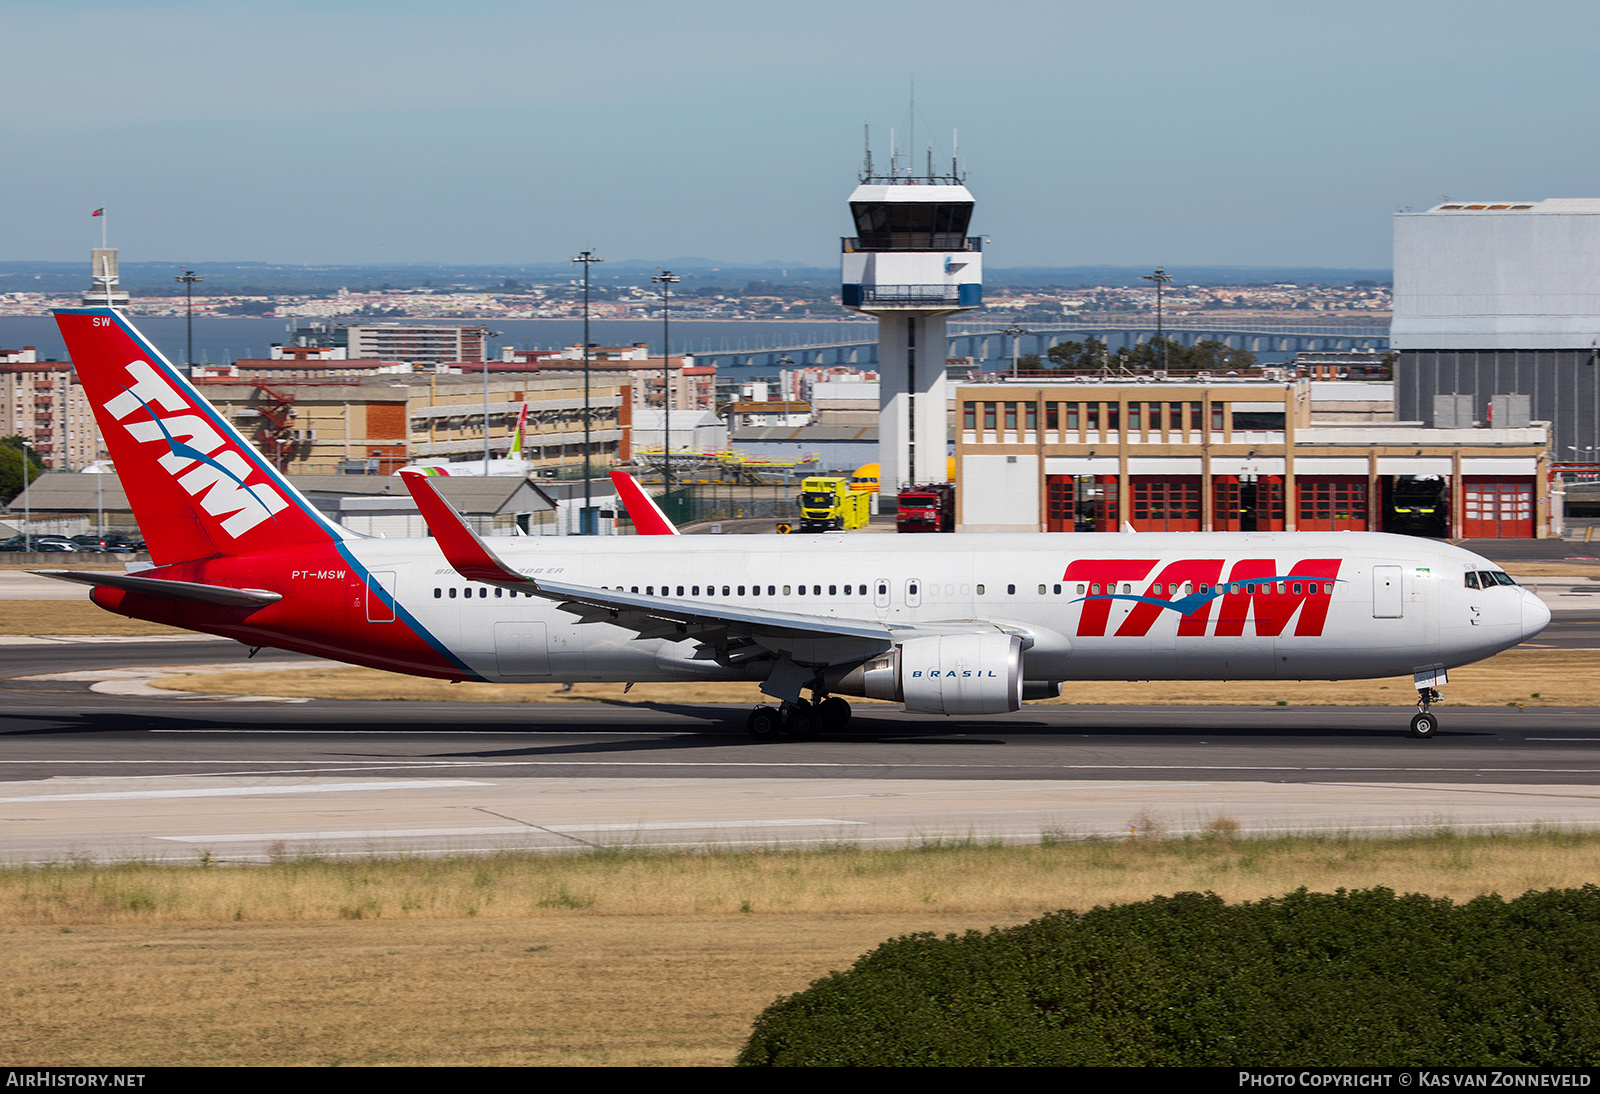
[{"x": 1535, "y": 615}]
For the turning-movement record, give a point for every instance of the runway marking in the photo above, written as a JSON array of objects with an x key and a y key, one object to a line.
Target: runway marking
[
  {"x": 101, "y": 639},
  {"x": 248, "y": 791},
  {"x": 544, "y": 734},
  {"x": 419, "y": 765},
  {"x": 514, "y": 829}
]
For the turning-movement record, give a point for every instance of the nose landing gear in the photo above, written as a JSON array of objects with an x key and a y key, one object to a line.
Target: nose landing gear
[{"x": 1425, "y": 723}]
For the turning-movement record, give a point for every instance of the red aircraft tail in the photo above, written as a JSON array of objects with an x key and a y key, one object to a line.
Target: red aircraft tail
[
  {"x": 198, "y": 489},
  {"x": 647, "y": 517}
]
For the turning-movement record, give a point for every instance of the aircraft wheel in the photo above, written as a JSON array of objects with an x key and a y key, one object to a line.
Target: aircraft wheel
[
  {"x": 764, "y": 723},
  {"x": 800, "y": 721},
  {"x": 1424, "y": 726},
  {"x": 833, "y": 713}
]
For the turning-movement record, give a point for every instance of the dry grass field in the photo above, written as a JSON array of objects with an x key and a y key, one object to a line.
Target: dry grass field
[
  {"x": 1527, "y": 573},
  {"x": 1519, "y": 677},
  {"x": 616, "y": 958},
  {"x": 58, "y": 617}
]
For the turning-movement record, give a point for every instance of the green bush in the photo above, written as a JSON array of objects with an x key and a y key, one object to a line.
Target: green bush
[{"x": 1350, "y": 978}]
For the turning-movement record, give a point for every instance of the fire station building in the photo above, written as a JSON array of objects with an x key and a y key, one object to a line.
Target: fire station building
[{"x": 1235, "y": 455}]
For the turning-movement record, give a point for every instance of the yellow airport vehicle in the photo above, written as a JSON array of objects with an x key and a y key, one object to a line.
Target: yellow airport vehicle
[{"x": 828, "y": 504}]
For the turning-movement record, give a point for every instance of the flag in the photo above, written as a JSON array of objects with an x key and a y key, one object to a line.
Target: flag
[{"x": 100, "y": 212}]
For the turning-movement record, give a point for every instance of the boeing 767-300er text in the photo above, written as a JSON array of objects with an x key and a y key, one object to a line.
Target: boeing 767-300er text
[{"x": 951, "y": 624}]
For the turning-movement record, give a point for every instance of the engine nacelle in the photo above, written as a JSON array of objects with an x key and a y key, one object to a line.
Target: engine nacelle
[{"x": 943, "y": 674}]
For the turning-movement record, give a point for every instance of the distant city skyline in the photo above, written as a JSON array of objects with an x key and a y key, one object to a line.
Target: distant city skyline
[{"x": 1247, "y": 133}]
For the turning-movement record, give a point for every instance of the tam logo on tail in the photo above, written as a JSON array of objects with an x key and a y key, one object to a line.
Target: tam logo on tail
[
  {"x": 202, "y": 459},
  {"x": 196, "y": 486}
]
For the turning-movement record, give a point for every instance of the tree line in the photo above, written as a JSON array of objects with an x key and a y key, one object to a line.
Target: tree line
[
  {"x": 13, "y": 458},
  {"x": 1093, "y": 355}
]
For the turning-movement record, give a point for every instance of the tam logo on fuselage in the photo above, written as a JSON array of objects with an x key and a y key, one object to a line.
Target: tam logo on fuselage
[
  {"x": 198, "y": 457},
  {"x": 1256, "y": 589}
]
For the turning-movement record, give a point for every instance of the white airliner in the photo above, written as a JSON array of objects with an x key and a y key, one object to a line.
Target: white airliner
[
  {"x": 512, "y": 464},
  {"x": 948, "y": 624}
]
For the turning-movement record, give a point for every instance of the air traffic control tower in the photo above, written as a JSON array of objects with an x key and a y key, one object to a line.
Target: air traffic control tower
[{"x": 911, "y": 264}]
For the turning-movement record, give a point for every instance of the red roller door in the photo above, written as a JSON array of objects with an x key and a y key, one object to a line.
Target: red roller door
[
  {"x": 1497, "y": 508},
  {"x": 1168, "y": 503},
  {"x": 1332, "y": 503}
]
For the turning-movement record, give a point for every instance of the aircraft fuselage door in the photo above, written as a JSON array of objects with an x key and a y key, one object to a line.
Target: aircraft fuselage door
[
  {"x": 1387, "y": 602},
  {"x": 522, "y": 649},
  {"x": 380, "y": 607}
]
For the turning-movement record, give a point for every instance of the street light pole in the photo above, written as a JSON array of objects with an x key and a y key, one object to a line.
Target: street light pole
[
  {"x": 588, "y": 258},
  {"x": 488, "y": 334},
  {"x": 1160, "y": 277},
  {"x": 666, "y": 280},
  {"x": 1016, "y": 331},
  {"x": 188, "y": 278},
  {"x": 27, "y": 499}
]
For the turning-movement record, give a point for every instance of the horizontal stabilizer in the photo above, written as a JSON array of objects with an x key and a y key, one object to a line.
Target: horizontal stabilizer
[{"x": 172, "y": 590}]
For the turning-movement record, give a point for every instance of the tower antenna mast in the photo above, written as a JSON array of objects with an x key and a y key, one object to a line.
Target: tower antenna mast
[{"x": 911, "y": 141}]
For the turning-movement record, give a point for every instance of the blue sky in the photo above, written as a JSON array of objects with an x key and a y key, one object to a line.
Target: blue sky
[{"x": 1236, "y": 132}]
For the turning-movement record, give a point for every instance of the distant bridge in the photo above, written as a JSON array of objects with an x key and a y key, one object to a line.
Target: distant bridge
[{"x": 994, "y": 347}]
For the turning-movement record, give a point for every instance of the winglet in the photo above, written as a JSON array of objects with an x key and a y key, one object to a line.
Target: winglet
[
  {"x": 462, "y": 547},
  {"x": 642, "y": 509}
]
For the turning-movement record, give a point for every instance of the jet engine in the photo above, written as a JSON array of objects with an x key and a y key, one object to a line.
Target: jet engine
[{"x": 943, "y": 674}]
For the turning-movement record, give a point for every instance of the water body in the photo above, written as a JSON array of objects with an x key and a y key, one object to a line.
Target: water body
[{"x": 223, "y": 339}]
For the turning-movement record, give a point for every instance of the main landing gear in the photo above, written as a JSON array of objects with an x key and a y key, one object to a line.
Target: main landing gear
[
  {"x": 1425, "y": 724},
  {"x": 799, "y": 719}
]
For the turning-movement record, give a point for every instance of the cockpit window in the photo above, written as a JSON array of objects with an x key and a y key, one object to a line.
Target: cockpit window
[
  {"x": 1472, "y": 580},
  {"x": 1488, "y": 579}
]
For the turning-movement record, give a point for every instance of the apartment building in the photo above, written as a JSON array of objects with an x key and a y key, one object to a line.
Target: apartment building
[
  {"x": 376, "y": 424},
  {"x": 42, "y": 401}
]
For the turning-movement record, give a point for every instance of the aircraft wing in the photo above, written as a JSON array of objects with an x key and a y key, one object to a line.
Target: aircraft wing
[
  {"x": 725, "y": 631},
  {"x": 610, "y": 604},
  {"x": 172, "y": 590}
]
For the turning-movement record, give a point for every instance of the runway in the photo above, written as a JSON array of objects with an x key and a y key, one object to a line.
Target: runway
[{"x": 89, "y": 775}]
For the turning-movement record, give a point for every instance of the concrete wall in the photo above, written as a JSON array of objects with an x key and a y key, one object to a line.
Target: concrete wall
[
  {"x": 1515, "y": 278},
  {"x": 1000, "y": 494}
]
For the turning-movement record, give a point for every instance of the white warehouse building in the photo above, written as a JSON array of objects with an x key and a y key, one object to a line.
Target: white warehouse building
[{"x": 1501, "y": 298}]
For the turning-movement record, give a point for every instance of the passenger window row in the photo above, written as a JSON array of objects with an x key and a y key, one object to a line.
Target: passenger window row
[
  {"x": 1173, "y": 588},
  {"x": 1475, "y": 580},
  {"x": 482, "y": 593},
  {"x": 744, "y": 590}
]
